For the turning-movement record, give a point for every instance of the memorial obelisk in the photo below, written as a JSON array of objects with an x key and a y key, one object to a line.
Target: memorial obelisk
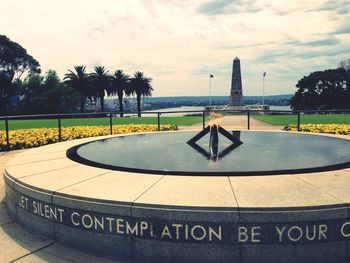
[{"x": 236, "y": 96}]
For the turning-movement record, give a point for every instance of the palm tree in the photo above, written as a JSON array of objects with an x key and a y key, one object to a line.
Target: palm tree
[
  {"x": 120, "y": 85},
  {"x": 79, "y": 80},
  {"x": 101, "y": 81},
  {"x": 141, "y": 86}
]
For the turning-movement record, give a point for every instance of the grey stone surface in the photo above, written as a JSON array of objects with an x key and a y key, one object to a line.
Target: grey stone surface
[
  {"x": 321, "y": 253},
  {"x": 11, "y": 199},
  {"x": 109, "y": 246},
  {"x": 293, "y": 215},
  {"x": 152, "y": 251},
  {"x": 32, "y": 192},
  {"x": 114, "y": 208},
  {"x": 4, "y": 216},
  {"x": 213, "y": 214},
  {"x": 267, "y": 254},
  {"x": 35, "y": 224}
]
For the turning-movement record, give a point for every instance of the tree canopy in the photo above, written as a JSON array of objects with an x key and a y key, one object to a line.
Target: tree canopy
[
  {"x": 47, "y": 94},
  {"x": 80, "y": 81},
  {"x": 141, "y": 86},
  {"x": 323, "y": 90},
  {"x": 120, "y": 86},
  {"x": 14, "y": 62},
  {"x": 101, "y": 82}
]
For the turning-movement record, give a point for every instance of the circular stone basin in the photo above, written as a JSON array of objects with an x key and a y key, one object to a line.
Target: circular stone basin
[{"x": 262, "y": 153}]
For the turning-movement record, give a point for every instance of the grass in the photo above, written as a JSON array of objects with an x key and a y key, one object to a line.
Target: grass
[
  {"x": 53, "y": 123},
  {"x": 282, "y": 120}
]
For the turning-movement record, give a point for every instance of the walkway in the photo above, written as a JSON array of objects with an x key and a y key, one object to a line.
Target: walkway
[{"x": 236, "y": 122}]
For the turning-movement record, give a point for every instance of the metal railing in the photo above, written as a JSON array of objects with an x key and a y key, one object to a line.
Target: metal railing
[{"x": 109, "y": 116}]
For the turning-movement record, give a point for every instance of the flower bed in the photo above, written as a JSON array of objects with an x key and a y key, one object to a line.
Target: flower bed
[
  {"x": 321, "y": 128},
  {"x": 27, "y": 138}
]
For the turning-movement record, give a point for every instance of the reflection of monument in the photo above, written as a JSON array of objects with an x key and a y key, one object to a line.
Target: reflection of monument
[{"x": 236, "y": 96}]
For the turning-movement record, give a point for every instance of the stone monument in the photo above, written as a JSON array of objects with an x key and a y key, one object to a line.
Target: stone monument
[{"x": 236, "y": 96}]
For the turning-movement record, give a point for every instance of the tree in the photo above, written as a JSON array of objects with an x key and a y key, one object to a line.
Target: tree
[
  {"x": 323, "y": 90},
  {"x": 120, "y": 85},
  {"x": 47, "y": 95},
  {"x": 141, "y": 86},
  {"x": 345, "y": 64},
  {"x": 101, "y": 81},
  {"x": 80, "y": 81},
  {"x": 14, "y": 62}
]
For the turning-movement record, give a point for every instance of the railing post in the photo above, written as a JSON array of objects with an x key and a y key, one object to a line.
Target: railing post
[
  {"x": 110, "y": 124},
  {"x": 59, "y": 128},
  {"x": 7, "y": 133},
  {"x": 248, "y": 119},
  {"x": 298, "y": 125},
  {"x": 203, "y": 119},
  {"x": 158, "y": 121}
]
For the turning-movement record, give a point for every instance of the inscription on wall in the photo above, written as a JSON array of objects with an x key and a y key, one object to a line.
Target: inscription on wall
[{"x": 185, "y": 231}]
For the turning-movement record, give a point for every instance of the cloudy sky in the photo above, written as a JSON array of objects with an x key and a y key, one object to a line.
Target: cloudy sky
[{"x": 178, "y": 43}]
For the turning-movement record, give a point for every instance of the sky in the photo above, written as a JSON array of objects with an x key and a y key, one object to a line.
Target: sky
[{"x": 179, "y": 43}]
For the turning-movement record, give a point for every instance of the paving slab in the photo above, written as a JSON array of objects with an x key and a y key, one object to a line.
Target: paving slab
[
  {"x": 23, "y": 170},
  {"x": 208, "y": 191},
  {"x": 115, "y": 186},
  {"x": 336, "y": 183},
  {"x": 28, "y": 157},
  {"x": 16, "y": 242},
  {"x": 62, "y": 178},
  {"x": 2, "y": 190},
  {"x": 278, "y": 191},
  {"x": 59, "y": 254}
]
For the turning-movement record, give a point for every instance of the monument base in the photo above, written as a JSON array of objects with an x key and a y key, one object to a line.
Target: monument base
[{"x": 226, "y": 107}]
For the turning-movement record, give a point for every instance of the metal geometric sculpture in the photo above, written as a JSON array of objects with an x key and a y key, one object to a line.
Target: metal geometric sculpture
[{"x": 213, "y": 153}]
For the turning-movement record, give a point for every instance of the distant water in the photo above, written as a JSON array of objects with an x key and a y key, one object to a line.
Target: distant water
[
  {"x": 200, "y": 108},
  {"x": 280, "y": 108},
  {"x": 182, "y": 108}
]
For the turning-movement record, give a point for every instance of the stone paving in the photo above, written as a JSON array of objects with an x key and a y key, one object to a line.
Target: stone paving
[{"x": 18, "y": 245}]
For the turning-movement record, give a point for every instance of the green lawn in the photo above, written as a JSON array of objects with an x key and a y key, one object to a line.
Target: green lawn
[
  {"x": 52, "y": 123},
  {"x": 304, "y": 118}
]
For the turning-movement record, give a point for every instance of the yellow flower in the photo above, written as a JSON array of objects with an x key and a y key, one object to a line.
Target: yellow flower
[{"x": 26, "y": 138}]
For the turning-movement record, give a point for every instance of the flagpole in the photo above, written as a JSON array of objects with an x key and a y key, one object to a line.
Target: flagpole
[
  {"x": 264, "y": 74},
  {"x": 210, "y": 77}
]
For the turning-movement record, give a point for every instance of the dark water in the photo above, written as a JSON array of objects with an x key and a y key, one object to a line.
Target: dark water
[{"x": 261, "y": 152}]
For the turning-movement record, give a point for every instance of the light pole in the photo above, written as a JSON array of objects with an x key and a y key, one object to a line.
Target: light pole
[
  {"x": 264, "y": 74},
  {"x": 210, "y": 77}
]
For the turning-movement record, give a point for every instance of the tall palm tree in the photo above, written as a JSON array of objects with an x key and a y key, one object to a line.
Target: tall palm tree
[
  {"x": 101, "y": 80},
  {"x": 79, "y": 80},
  {"x": 120, "y": 85},
  {"x": 141, "y": 86}
]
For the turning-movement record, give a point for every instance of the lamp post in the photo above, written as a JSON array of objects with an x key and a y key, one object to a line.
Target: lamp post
[
  {"x": 210, "y": 77},
  {"x": 264, "y": 74}
]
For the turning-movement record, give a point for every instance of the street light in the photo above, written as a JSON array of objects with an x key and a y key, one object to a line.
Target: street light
[
  {"x": 210, "y": 77},
  {"x": 264, "y": 74}
]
